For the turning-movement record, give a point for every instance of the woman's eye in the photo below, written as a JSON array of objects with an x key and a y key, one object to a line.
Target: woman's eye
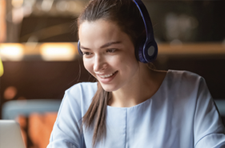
[
  {"x": 86, "y": 53},
  {"x": 111, "y": 50}
]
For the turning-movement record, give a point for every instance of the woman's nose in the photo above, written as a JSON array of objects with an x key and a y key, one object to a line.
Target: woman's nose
[{"x": 99, "y": 64}]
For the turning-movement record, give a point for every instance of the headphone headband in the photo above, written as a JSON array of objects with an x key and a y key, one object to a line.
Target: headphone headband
[{"x": 146, "y": 20}]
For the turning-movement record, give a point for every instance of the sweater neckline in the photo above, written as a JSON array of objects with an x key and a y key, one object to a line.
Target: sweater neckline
[{"x": 144, "y": 102}]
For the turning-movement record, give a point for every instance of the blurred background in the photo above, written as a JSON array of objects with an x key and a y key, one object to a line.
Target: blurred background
[{"x": 38, "y": 48}]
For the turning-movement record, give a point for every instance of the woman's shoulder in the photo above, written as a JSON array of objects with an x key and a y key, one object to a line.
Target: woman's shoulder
[
  {"x": 182, "y": 73},
  {"x": 183, "y": 76},
  {"x": 184, "y": 80},
  {"x": 81, "y": 93},
  {"x": 84, "y": 87}
]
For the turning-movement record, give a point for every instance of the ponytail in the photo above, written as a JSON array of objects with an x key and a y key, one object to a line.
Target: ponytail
[{"x": 96, "y": 114}]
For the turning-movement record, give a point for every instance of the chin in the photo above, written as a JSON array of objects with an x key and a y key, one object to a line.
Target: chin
[{"x": 108, "y": 88}]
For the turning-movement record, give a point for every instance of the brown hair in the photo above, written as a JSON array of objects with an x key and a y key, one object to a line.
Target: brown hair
[{"x": 127, "y": 16}]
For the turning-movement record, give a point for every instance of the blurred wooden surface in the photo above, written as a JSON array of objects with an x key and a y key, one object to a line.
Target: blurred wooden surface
[{"x": 192, "y": 49}]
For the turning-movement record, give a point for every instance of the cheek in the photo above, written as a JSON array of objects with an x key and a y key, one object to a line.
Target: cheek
[
  {"x": 88, "y": 66},
  {"x": 129, "y": 60},
  {"x": 130, "y": 65}
]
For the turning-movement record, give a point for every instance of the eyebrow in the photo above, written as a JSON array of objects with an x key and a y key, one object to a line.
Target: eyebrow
[{"x": 103, "y": 46}]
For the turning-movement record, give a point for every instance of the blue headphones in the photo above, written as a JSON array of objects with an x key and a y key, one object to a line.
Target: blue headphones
[{"x": 147, "y": 51}]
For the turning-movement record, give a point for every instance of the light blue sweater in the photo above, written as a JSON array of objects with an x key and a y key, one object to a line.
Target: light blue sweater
[{"x": 181, "y": 114}]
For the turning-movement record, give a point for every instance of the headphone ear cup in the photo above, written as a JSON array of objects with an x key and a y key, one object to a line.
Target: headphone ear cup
[
  {"x": 139, "y": 53},
  {"x": 78, "y": 48},
  {"x": 150, "y": 52}
]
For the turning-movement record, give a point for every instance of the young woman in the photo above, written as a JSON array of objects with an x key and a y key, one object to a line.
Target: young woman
[{"x": 132, "y": 105}]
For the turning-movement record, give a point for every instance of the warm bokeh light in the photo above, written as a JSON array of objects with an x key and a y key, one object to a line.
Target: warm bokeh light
[
  {"x": 10, "y": 92},
  {"x": 11, "y": 51},
  {"x": 17, "y": 3},
  {"x": 41, "y": 124},
  {"x": 58, "y": 51}
]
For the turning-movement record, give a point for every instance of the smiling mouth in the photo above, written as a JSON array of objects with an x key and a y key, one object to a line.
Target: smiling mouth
[{"x": 107, "y": 76}]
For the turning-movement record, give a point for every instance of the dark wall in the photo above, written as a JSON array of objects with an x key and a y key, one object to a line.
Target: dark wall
[{"x": 208, "y": 14}]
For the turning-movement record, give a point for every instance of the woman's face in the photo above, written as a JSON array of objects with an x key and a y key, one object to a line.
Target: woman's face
[{"x": 109, "y": 54}]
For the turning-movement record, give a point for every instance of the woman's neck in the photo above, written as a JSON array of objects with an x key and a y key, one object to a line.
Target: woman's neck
[{"x": 144, "y": 85}]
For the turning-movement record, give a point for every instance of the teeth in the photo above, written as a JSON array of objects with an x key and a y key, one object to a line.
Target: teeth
[{"x": 106, "y": 76}]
